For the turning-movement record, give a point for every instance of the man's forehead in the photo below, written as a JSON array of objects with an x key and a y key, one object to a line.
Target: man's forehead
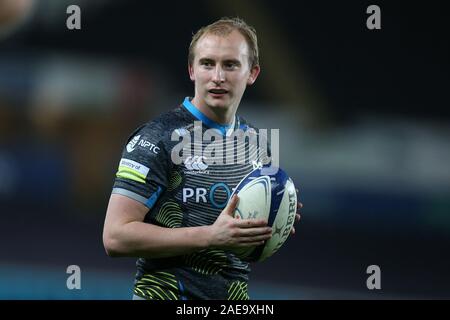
[{"x": 231, "y": 46}]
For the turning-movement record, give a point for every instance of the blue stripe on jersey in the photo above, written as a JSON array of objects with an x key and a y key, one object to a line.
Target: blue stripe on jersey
[
  {"x": 200, "y": 116},
  {"x": 151, "y": 201}
]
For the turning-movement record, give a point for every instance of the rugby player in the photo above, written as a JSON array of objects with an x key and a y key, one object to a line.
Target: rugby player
[{"x": 176, "y": 216}]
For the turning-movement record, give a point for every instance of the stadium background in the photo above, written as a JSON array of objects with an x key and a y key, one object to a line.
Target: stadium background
[{"x": 364, "y": 131}]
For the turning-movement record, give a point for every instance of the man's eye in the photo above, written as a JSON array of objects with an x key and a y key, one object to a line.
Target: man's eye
[
  {"x": 230, "y": 65},
  {"x": 207, "y": 64}
]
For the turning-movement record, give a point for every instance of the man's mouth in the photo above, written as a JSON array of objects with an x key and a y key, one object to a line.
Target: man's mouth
[{"x": 217, "y": 91}]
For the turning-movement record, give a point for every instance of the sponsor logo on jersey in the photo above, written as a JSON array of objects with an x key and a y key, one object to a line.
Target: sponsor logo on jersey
[
  {"x": 132, "y": 170},
  {"x": 148, "y": 145},
  {"x": 223, "y": 149},
  {"x": 213, "y": 195},
  {"x": 196, "y": 164},
  {"x": 137, "y": 141},
  {"x": 136, "y": 166},
  {"x": 132, "y": 144}
]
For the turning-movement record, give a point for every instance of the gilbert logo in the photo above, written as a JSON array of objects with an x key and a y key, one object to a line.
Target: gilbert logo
[
  {"x": 132, "y": 144},
  {"x": 195, "y": 163}
]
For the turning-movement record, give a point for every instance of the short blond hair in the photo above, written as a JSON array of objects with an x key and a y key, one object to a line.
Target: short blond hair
[{"x": 223, "y": 27}]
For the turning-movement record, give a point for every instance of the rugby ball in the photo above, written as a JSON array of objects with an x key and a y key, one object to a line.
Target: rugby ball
[{"x": 267, "y": 193}]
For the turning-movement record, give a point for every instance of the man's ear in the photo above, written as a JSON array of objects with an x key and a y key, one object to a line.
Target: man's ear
[
  {"x": 253, "y": 75},
  {"x": 191, "y": 72}
]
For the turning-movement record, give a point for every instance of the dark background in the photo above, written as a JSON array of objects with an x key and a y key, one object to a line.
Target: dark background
[{"x": 364, "y": 132}]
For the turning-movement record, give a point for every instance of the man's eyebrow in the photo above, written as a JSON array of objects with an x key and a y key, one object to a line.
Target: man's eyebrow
[
  {"x": 205, "y": 60},
  {"x": 235, "y": 61}
]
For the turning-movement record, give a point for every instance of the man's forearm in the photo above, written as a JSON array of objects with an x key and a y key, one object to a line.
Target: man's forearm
[{"x": 139, "y": 239}]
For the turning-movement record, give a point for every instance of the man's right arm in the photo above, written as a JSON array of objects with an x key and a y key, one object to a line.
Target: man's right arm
[{"x": 126, "y": 234}]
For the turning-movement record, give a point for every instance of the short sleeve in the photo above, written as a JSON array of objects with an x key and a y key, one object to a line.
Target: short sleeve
[{"x": 144, "y": 166}]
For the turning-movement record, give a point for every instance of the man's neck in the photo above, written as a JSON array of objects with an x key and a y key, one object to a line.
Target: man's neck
[{"x": 221, "y": 116}]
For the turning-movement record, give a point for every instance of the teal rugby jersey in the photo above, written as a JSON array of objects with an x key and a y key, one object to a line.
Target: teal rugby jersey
[{"x": 187, "y": 193}]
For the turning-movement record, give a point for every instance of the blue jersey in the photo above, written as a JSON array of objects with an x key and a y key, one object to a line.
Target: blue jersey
[{"x": 187, "y": 192}]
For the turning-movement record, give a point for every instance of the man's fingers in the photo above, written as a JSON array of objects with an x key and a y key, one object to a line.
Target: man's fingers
[
  {"x": 255, "y": 238},
  {"x": 250, "y": 232},
  {"x": 231, "y": 206},
  {"x": 299, "y": 206},
  {"x": 297, "y": 219},
  {"x": 251, "y": 223},
  {"x": 250, "y": 244}
]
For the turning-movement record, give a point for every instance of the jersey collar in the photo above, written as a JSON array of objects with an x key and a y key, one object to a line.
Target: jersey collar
[{"x": 224, "y": 129}]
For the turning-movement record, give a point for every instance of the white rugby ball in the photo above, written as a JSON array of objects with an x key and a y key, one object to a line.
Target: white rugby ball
[{"x": 267, "y": 193}]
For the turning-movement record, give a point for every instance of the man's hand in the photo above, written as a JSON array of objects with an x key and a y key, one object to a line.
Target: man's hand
[
  {"x": 229, "y": 232},
  {"x": 297, "y": 215}
]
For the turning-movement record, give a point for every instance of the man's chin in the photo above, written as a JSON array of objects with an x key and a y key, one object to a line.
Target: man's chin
[{"x": 219, "y": 104}]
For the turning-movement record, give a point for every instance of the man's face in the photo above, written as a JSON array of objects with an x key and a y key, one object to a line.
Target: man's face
[{"x": 221, "y": 70}]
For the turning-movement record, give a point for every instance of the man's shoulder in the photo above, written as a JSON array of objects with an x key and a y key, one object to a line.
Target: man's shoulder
[
  {"x": 244, "y": 124},
  {"x": 162, "y": 126}
]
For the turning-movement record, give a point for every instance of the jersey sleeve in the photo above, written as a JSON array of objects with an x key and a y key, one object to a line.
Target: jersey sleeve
[{"x": 144, "y": 167}]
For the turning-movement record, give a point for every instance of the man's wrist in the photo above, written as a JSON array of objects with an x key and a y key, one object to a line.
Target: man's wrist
[{"x": 205, "y": 236}]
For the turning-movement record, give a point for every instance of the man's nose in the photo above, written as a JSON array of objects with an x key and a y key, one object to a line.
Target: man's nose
[{"x": 219, "y": 75}]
